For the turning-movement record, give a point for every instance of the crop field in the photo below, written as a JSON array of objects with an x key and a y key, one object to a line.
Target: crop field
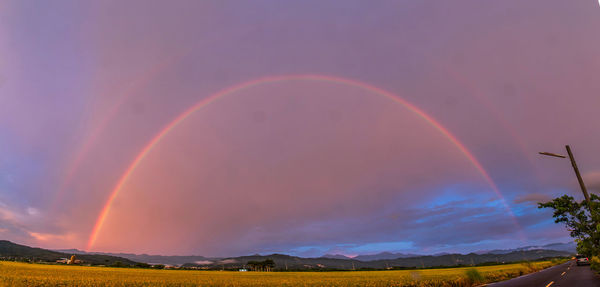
[{"x": 25, "y": 274}]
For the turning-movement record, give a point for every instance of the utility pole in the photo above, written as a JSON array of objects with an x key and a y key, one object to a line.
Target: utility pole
[
  {"x": 582, "y": 185},
  {"x": 579, "y": 178}
]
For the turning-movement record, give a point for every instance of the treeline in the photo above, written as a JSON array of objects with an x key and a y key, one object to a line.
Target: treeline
[{"x": 266, "y": 265}]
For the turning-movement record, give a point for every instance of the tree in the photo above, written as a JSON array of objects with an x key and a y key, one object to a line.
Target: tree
[
  {"x": 269, "y": 264},
  {"x": 578, "y": 220},
  {"x": 142, "y": 265},
  {"x": 253, "y": 265},
  {"x": 266, "y": 265}
]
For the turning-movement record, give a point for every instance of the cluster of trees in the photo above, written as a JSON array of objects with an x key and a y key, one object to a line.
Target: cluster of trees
[
  {"x": 266, "y": 265},
  {"x": 582, "y": 221},
  {"x": 137, "y": 265}
]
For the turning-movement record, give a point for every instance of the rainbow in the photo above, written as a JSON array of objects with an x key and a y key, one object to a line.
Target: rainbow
[
  {"x": 479, "y": 94},
  {"x": 273, "y": 79}
]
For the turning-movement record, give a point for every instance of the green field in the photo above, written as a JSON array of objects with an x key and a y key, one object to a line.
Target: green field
[{"x": 25, "y": 274}]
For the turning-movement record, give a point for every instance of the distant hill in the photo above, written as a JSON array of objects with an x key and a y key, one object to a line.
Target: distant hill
[
  {"x": 567, "y": 247},
  {"x": 13, "y": 251},
  {"x": 150, "y": 259},
  {"x": 336, "y": 261},
  {"x": 335, "y": 256},
  {"x": 286, "y": 262},
  {"x": 384, "y": 256}
]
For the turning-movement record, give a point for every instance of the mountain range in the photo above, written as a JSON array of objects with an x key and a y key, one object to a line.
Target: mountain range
[
  {"x": 567, "y": 247},
  {"x": 385, "y": 260},
  {"x": 337, "y": 261},
  {"x": 150, "y": 259},
  {"x": 286, "y": 262},
  {"x": 372, "y": 257},
  {"x": 17, "y": 252}
]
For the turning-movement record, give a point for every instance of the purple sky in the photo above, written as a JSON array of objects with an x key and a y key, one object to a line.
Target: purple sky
[{"x": 300, "y": 167}]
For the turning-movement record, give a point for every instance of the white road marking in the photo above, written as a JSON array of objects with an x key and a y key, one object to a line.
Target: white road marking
[
  {"x": 563, "y": 273},
  {"x": 550, "y": 284}
]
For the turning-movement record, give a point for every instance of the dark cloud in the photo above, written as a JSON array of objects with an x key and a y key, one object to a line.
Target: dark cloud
[{"x": 533, "y": 198}]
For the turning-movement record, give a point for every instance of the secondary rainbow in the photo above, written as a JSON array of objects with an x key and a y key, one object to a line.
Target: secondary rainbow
[
  {"x": 132, "y": 89},
  {"x": 479, "y": 94},
  {"x": 249, "y": 84}
]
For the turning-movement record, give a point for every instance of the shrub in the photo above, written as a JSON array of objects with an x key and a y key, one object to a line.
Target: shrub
[
  {"x": 528, "y": 266},
  {"x": 595, "y": 263},
  {"x": 473, "y": 275},
  {"x": 142, "y": 265}
]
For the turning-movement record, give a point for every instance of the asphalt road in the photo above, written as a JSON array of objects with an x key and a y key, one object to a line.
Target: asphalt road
[{"x": 565, "y": 275}]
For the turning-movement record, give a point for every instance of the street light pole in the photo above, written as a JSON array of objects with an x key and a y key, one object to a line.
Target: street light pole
[
  {"x": 593, "y": 215},
  {"x": 579, "y": 178}
]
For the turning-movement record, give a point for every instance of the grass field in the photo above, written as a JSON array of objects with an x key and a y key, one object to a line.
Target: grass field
[{"x": 24, "y": 274}]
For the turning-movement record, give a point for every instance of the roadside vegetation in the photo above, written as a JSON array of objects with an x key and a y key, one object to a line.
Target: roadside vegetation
[
  {"x": 27, "y": 274},
  {"x": 595, "y": 263},
  {"x": 582, "y": 219}
]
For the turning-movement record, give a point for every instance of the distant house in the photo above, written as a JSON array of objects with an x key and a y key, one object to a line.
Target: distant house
[
  {"x": 243, "y": 270},
  {"x": 73, "y": 260},
  {"x": 63, "y": 260}
]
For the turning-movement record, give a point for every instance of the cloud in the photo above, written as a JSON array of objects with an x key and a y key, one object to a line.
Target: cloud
[
  {"x": 50, "y": 237},
  {"x": 203, "y": 262},
  {"x": 592, "y": 181},
  {"x": 32, "y": 211},
  {"x": 25, "y": 227},
  {"x": 451, "y": 224},
  {"x": 292, "y": 166},
  {"x": 532, "y": 198}
]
